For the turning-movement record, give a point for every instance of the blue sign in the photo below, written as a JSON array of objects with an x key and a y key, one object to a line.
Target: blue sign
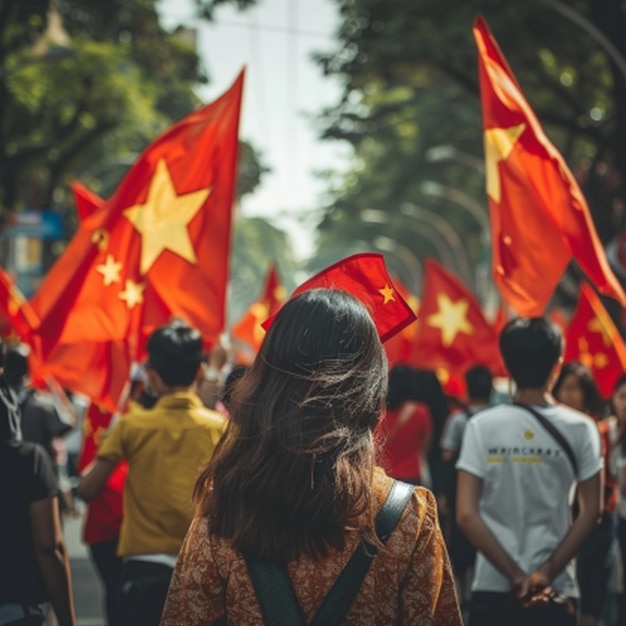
[{"x": 36, "y": 225}]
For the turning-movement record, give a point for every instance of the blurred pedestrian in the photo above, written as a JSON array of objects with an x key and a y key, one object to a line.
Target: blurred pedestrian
[
  {"x": 479, "y": 385},
  {"x": 34, "y": 565},
  {"x": 618, "y": 402},
  {"x": 165, "y": 447},
  {"x": 405, "y": 431},
  {"x": 577, "y": 388}
]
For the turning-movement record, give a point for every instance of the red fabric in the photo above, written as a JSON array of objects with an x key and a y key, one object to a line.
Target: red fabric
[
  {"x": 593, "y": 339},
  {"x": 105, "y": 512},
  {"x": 399, "y": 347},
  {"x": 87, "y": 202},
  {"x": 365, "y": 277},
  {"x": 248, "y": 329},
  {"x": 454, "y": 333},
  {"x": 402, "y": 434},
  {"x": 539, "y": 216},
  {"x": 16, "y": 315},
  {"x": 87, "y": 327}
]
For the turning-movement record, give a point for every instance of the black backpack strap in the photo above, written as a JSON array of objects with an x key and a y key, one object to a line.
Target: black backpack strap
[
  {"x": 275, "y": 593},
  {"x": 337, "y": 603},
  {"x": 556, "y": 434}
]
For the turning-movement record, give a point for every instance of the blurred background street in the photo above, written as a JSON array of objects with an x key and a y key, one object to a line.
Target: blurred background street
[{"x": 87, "y": 589}]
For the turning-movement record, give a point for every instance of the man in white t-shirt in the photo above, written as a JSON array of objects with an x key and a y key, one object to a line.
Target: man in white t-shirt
[{"x": 515, "y": 481}]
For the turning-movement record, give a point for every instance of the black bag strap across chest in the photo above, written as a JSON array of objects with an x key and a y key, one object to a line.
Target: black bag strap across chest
[
  {"x": 274, "y": 590},
  {"x": 555, "y": 433}
]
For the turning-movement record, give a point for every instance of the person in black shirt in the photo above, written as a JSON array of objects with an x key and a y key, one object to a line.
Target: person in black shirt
[{"x": 34, "y": 565}]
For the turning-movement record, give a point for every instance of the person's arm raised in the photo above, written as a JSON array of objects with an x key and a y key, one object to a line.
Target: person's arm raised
[{"x": 52, "y": 557}]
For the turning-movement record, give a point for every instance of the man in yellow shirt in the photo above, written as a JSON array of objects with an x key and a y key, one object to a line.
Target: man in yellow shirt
[{"x": 165, "y": 448}]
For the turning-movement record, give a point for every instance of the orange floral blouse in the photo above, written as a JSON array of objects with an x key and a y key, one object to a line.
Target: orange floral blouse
[{"x": 410, "y": 582}]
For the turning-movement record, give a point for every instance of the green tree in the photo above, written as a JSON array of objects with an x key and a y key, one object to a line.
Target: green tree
[
  {"x": 256, "y": 245},
  {"x": 85, "y": 108}
]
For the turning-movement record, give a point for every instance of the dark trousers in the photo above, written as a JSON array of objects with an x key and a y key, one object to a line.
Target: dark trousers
[
  {"x": 622, "y": 547},
  {"x": 109, "y": 567},
  {"x": 488, "y": 608},
  {"x": 143, "y": 589},
  {"x": 594, "y": 565}
]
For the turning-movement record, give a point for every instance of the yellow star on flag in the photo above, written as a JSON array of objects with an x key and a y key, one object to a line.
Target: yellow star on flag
[
  {"x": 451, "y": 319},
  {"x": 110, "y": 270},
  {"x": 499, "y": 143},
  {"x": 164, "y": 219},
  {"x": 387, "y": 293},
  {"x": 132, "y": 294},
  {"x": 593, "y": 361},
  {"x": 101, "y": 238},
  {"x": 596, "y": 325}
]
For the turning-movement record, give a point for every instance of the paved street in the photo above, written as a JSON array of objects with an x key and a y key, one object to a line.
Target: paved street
[{"x": 87, "y": 589}]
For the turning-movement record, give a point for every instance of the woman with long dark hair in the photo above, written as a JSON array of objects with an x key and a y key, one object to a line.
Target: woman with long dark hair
[
  {"x": 405, "y": 431},
  {"x": 576, "y": 388},
  {"x": 294, "y": 484},
  {"x": 618, "y": 405}
]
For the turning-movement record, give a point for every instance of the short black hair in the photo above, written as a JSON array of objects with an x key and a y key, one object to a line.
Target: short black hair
[
  {"x": 530, "y": 348},
  {"x": 401, "y": 386},
  {"x": 175, "y": 353},
  {"x": 16, "y": 365},
  {"x": 479, "y": 382}
]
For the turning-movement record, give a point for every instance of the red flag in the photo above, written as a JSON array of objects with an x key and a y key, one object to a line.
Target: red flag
[
  {"x": 15, "y": 311},
  {"x": 558, "y": 317},
  {"x": 160, "y": 247},
  {"x": 248, "y": 329},
  {"x": 365, "y": 277},
  {"x": 593, "y": 339},
  {"x": 539, "y": 216},
  {"x": 87, "y": 202},
  {"x": 454, "y": 333},
  {"x": 399, "y": 347}
]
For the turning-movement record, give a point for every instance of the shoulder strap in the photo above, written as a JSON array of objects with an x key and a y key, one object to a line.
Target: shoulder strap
[
  {"x": 274, "y": 590},
  {"x": 556, "y": 434},
  {"x": 337, "y": 603}
]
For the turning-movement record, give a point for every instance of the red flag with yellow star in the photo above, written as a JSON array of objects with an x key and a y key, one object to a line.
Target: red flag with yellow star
[
  {"x": 248, "y": 329},
  {"x": 593, "y": 339},
  {"x": 159, "y": 248},
  {"x": 364, "y": 276},
  {"x": 16, "y": 315},
  {"x": 539, "y": 217},
  {"x": 399, "y": 347},
  {"x": 454, "y": 333}
]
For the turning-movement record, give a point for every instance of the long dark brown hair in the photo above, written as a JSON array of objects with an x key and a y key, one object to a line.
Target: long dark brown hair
[{"x": 293, "y": 473}]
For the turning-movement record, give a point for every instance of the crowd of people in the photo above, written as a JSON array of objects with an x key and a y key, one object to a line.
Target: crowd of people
[{"x": 317, "y": 487}]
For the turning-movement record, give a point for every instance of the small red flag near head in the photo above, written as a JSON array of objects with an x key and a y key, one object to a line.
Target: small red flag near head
[{"x": 365, "y": 277}]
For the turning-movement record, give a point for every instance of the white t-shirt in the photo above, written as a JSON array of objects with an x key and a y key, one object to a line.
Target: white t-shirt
[{"x": 528, "y": 483}]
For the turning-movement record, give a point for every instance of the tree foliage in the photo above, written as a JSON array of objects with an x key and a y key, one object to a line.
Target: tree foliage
[
  {"x": 86, "y": 107},
  {"x": 410, "y": 86}
]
